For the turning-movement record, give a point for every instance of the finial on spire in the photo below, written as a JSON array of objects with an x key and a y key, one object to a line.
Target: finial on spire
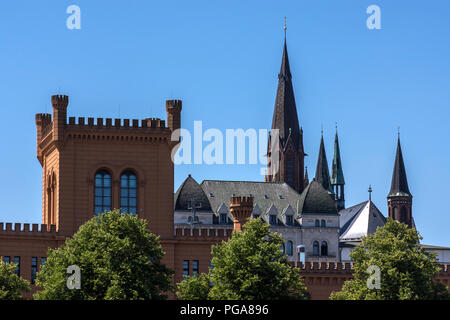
[
  {"x": 370, "y": 192},
  {"x": 398, "y": 132},
  {"x": 336, "y": 125},
  {"x": 321, "y": 128},
  {"x": 285, "y": 27}
]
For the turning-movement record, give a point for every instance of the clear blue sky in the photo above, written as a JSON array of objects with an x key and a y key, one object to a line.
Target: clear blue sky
[{"x": 222, "y": 59}]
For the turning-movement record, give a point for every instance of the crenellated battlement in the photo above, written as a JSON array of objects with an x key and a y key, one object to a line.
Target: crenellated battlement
[
  {"x": 108, "y": 123},
  {"x": 60, "y": 101},
  {"x": 241, "y": 202},
  {"x": 26, "y": 228},
  {"x": 186, "y": 232}
]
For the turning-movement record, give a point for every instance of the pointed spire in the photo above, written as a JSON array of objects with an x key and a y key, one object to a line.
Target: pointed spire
[
  {"x": 337, "y": 174},
  {"x": 399, "y": 185},
  {"x": 306, "y": 177},
  {"x": 322, "y": 172},
  {"x": 285, "y": 112}
]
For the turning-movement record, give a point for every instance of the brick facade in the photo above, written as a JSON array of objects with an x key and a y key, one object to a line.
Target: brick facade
[{"x": 71, "y": 152}]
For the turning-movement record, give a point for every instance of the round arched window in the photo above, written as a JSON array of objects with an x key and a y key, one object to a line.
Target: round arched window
[
  {"x": 128, "y": 192},
  {"x": 102, "y": 192}
]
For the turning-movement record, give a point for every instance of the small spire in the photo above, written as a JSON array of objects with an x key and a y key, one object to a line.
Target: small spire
[
  {"x": 370, "y": 192},
  {"x": 399, "y": 184},
  {"x": 306, "y": 177},
  {"x": 322, "y": 172}
]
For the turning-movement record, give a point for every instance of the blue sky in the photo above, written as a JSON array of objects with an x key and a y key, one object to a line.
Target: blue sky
[{"x": 222, "y": 58}]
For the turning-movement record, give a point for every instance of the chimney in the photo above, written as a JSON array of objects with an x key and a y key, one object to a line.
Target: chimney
[{"x": 241, "y": 208}]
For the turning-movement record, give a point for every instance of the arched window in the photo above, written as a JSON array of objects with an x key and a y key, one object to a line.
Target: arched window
[
  {"x": 316, "y": 248},
  {"x": 128, "y": 193},
  {"x": 289, "y": 248},
  {"x": 282, "y": 248},
  {"x": 324, "y": 249},
  {"x": 317, "y": 223},
  {"x": 102, "y": 190},
  {"x": 323, "y": 223}
]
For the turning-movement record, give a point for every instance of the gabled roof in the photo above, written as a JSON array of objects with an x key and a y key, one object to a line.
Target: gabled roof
[
  {"x": 322, "y": 172},
  {"x": 189, "y": 190},
  {"x": 265, "y": 194},
  {"x": 337, "y": 174},
  {"x": 315, "y": 199},
  {"x": 285, "y": 117},
  {"x": 360, "y": 220},
  {"x": 399, "y": 184}
]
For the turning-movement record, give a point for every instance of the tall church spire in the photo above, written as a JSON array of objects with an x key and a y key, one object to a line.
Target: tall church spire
[
  {"x": 399, "y": 184},
  {"x": 285, "y": 120},
  {"x": 322, "y": 172},
  {"x": 337, "y": 175},
  {"x": 399, "y": 197}
]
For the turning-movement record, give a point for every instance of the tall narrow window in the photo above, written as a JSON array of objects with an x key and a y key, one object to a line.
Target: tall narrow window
[
  {"x": 7, "y": 259},
  {"x": 324, "y": 249},
  {"x": 195, "y": 267},
  {"x": 185, "y": 268},
  {"x": 316, "y": 248},
  {"x": 223, "y": 218},
  {"x": 43, "y": 260},
  {"x": 17, "y": 262},
  {"x": 317, "y": 223},
  {"x": 128, "y": 193},
  {"x": 290, "y": 171},
  {"x": 289, "y": 249},
  {"x": 33, "y": 269},
  {"x": 102, "y": 192},
  {"x": 323, "y": 223}
]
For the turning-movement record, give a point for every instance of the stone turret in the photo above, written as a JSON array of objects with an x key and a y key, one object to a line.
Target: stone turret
[{"x": 241, "y": 208}]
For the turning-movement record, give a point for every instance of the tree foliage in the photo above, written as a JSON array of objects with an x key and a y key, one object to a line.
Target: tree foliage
[
  {"x": 406, "y": 269},
  {"x": 119, "y": 259},
  {"x": 249, "y": 266},
  {"x": 11, "y": 285}
]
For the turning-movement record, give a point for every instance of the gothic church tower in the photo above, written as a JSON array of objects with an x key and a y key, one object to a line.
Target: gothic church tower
[{"x": 285, "y": 119}]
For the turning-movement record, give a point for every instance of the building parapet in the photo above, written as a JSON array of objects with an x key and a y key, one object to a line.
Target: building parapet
[
  {"x": 26, "y": 228},
  {"x": 207, "y": 232},
  {"x": 101, "y": 123}
]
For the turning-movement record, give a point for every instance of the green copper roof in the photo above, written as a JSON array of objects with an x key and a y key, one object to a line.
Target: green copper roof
[{"x": 337, "y": 174}]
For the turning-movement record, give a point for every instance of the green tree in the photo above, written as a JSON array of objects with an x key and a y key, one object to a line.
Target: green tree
[
  {"x": 406, "y": 269},
  {"x": 249, "y": 266},
  {"x": 119, "y": 259},
  {"x": 11, "y": 285}
]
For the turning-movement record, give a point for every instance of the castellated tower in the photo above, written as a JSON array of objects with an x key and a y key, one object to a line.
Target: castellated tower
[
  {"x": 98, "y": 165},
  {"x": 241, "y": 208}
]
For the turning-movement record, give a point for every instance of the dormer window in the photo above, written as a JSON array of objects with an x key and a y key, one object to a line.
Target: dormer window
[
  {"x": 289, "y": 220},
  {"x": 223, "y": 218},
  {"x": 266, "y": 196},
  {"x": 273, "y": 219},
  {"x": 280, "y": 196},
  {"x": 211, "y": 195}
]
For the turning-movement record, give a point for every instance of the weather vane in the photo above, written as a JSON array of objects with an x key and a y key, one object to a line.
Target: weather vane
[
  {"x": 370, "y": 192},
  {"x": 285, "y": 27}
]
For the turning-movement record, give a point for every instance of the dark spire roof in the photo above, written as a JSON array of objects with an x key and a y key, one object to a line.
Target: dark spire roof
[
  {"x": 285, "y": 112},
  {"x": 337, "y": 174},
  {"x": 306, "y": 177},
  {"x": 399, "y": 185},
  {"x": 322, "y": 172},
  {"x": 315, "y": 199},
  {"x": 188, "y": 191}
]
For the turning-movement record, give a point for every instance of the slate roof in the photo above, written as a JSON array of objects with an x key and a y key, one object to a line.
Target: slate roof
[
  {"x": 315, "y": 199},
  {"x": 360, "y": 220},
  {"x": 189, "y": 190},
  {"x": 322, "y": 172},
  {"x": 285, "y": 116},
  {"x": 265, "y": 194},
  {"x": 399, "y": 185}
]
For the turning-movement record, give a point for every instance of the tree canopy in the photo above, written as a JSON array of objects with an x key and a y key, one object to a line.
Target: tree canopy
[
  {"x": 406, "y": 269},
  {"x": 118, "y": 256},
  {"x": 11, "y": 285},
  {"x": 249, "y": 266}
]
